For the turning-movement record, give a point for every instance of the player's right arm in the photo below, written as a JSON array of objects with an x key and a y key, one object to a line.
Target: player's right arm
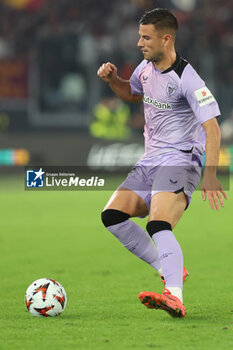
[
  {"x": 206, "y": 109},
  {"x": 108, "y": 73}
]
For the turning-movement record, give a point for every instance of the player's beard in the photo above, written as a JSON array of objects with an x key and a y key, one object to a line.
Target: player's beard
[{"x": 157, "y": 57}]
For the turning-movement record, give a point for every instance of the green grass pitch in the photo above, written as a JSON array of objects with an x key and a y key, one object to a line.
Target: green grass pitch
[{"x": 59, "y": 235}]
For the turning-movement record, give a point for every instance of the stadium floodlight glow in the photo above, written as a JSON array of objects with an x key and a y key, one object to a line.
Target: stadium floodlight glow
[{"x": 185, "y": 5}]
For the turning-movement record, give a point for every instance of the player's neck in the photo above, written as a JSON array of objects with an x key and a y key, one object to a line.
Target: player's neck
[{"x": 167, "y": 61}]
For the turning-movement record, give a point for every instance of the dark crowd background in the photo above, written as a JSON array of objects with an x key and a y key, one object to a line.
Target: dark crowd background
[{"x": 50, "y": 51}]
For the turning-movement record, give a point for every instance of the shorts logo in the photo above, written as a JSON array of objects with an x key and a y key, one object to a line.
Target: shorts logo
[
  {"x": 171, "y": 89},
  {"x": 35, "y": 178},
  {"x": 173, "y": 182},
  {"x": 204, "y": 96},
  {"x": 144, "y": 79}
]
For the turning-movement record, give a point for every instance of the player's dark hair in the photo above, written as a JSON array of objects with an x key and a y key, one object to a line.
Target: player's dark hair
[{"x": 161, "y": 18}]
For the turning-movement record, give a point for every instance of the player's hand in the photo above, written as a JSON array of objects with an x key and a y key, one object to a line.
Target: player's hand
[
  {"x": 107, "y": 72},
  {"x": 212, "y": 189}
]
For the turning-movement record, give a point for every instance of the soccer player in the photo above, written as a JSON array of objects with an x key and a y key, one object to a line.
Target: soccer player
[{"x": 180, "y": 123}]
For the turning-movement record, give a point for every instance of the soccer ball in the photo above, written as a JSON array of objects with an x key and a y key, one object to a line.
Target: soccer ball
[{"x": 45, "y": 297}]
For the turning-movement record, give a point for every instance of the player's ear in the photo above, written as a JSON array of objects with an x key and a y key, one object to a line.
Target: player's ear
[{"x": 167, "y": 39}]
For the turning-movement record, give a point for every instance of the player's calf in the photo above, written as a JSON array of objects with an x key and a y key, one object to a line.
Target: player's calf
[{"x": 132, "y": 236}]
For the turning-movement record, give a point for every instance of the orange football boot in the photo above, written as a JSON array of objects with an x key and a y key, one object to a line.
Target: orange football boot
[
  {"x": 185, "y": 275},
  {"x": 165, "y": 301}
]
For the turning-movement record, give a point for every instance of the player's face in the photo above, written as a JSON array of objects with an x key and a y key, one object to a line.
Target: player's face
[{"x": 151, "y": 42}]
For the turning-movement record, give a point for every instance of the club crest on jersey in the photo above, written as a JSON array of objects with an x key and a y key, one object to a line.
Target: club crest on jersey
[{"x": 171, "y": 89}]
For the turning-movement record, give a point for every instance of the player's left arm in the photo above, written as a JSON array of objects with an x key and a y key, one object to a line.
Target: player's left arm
[{"x": 211, "y": 187}]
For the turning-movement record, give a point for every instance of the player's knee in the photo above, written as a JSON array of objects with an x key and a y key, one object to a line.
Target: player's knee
[
  {"x": 156, "y": 226},
  {"x": 112, "y": 217}
]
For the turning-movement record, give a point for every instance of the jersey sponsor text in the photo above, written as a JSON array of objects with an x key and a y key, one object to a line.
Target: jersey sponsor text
[{"x": 157, "y": 104}]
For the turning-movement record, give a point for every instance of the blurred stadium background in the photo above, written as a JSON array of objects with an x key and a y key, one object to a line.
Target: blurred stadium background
[{"x": 53, "y": 108}]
